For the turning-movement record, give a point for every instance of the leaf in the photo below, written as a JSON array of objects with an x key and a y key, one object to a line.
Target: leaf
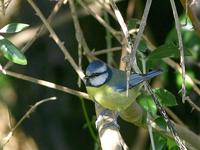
[
  {"x": 166, "y": 98},
  {"x": 147, "y": 103},
  {"x": 161, "y": 122},
  {"x": 160, "y": 141},
  {"x": 171, "y": 144},
  {"x": 167, "y": 50},
  {"x": 189, "y": 83},
  {"x": 152, "y": 63},
  {"x": 11, "y": 52},
  {"x": 142, "y": 46},
  {"x": 133, "y": 23},
  {"x": 13, "y": 28}
]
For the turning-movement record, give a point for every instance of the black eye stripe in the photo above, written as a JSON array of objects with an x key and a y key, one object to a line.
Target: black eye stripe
[{"x": 96, "y": 74}]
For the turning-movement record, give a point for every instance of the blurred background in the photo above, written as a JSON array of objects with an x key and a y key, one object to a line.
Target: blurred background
[{"x": 61, "y": 125}]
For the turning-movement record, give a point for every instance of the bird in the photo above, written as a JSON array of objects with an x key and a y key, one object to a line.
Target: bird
[{"x": 108, "y": 86}]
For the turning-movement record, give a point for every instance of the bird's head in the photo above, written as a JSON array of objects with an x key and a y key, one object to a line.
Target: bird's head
[{"x": 97, "y": 73}]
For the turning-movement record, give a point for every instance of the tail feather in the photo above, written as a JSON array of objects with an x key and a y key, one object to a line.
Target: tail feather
[
  {"x": 136, "y": 79},
  {"x": 152, "y": 74}
]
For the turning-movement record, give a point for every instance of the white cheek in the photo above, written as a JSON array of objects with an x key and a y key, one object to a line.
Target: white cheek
[{"x": 99, "y": 80}]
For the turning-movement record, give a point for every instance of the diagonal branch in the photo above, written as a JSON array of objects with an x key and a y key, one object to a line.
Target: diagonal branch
[
  {"x": 100, "y": 20},
  {"x": 180, "y": 42},
  {"x": 57, "y": 40},
  {"x": 7, "y": 138},
  {"x": 79, "y": 33},
  {"x": 46, "y": 84}
]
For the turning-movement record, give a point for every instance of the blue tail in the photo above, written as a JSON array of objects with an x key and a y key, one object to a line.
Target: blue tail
[{"x": 135, "y": 78}]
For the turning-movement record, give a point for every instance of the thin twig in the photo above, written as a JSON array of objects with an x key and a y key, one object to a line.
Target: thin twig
[
  {"x": 47, "y": 84},
  {"x": 123, "y": 26},
  {"x": 39, "y": 31},
  {"x": 194, "y": 106},
  {"x": 140, "y": 142},
  {"x": 79, "y": 36},
  {"x": 166, "y": 118},
  {"x": 141, "y": 29},
  {"x": 192, "y": 12},
  {"x": 104, "y": 51},
  {"x": 6, "y": 139},
  {"x": 108, "y": 41},
  {"x": 180, "y": 41},
  {"x": 57, "y": 40},
  {"x": 79, "y": 33},
  {"x": 191, "y": 81},
  {"x": 174, "y": 116},
  {"x": 176, "y": 67},
  {"x": 88, "y": 122},
  {"x": 150, "y": 132},
  {"x": 106, "y": 7},
  {"x": 131, "y": 48},
  {"x": 196, "y": 81},
  {"x": 101, "y": 21},
  {"x": 23, "y": 37},
  {"x": 128, "y": 40}
]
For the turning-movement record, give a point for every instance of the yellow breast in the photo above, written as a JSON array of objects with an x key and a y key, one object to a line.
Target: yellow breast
[{"x": 113, "y": 100}]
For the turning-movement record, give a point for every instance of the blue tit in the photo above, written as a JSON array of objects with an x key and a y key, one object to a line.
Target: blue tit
[{"x": 107, "y": 85}]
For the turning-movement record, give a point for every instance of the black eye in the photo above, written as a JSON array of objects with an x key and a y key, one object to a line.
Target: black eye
[
  {"x": 92, "y": 75},
  {"x": 95, "y": 74}
]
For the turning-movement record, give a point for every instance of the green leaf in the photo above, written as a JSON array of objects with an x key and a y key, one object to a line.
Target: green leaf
[
  {"x": 161, "y": 122},
  {"x": 152, "y": 63},
  {"x": 166, "y": 98},
  {"x": 189, "y": 83},
  {"x": 13, "y": 28},
  {"x": 147, "y": 103},
  {"x": 160, "y": 141},
  {"x": 132, "y": 23},
  {"x": 167, "y": 50},
  {"x": 11, "y": 52},
  {"x": 142, "y": 46},
  {"x": 164, "y": 143},
  {"x": 171, "y": 144}
]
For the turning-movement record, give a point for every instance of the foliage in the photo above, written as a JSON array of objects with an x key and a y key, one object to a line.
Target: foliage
[{"x": 9, "y": 50}]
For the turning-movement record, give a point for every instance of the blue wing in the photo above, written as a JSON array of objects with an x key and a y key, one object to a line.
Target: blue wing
[{"x": 135, "y": 79}]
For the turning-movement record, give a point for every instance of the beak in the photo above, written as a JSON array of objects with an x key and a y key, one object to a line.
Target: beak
[{"x": 85, "y": 79}]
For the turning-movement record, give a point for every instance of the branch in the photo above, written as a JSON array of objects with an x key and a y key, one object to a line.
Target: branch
[
  {"x": 57, "y": 40},
  {"x": 7, "y": 138},
  {"x": 105, "y": 5},
  {"x": 104, "y": 51},
  {"x": 79, "y": 33},
  {"x": 108, "y": 129},
  {"x": 47, "y": 84},
  {"x": 193, "y": 7},
  {"x": 180, "y": 42},
  {"x": 100, "y": 20},
  {"x": 166, "y": 118}
]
